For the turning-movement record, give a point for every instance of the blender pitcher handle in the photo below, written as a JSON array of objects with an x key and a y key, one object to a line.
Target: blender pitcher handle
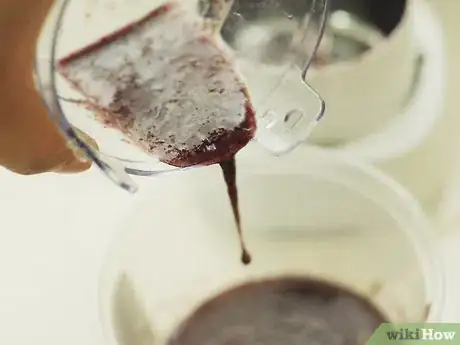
[{"x": 280, "y": 131}]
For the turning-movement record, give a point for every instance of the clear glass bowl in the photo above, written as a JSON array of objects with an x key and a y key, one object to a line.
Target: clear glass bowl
[
  {"x": 268, "y": 39},
  {"x": 310, "y": 213}
]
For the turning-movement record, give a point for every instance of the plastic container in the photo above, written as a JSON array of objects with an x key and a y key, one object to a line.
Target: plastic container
[
  {"x": 419, "y": 136},
  {"x": 73, "y": 25},
  {"x": 400, "y": 126},
  {"x": 385, "y": 101},
  {"x": 418, "y": 108},
  {"x": 368, "y": 90},
  {"x": 321, "y": 216}
]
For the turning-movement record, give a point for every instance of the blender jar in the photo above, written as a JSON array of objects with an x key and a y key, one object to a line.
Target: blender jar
[{"x": 266, "y": 40}]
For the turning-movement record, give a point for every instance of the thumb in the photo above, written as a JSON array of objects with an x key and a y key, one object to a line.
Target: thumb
[
  {"x": 65, "y": 160},
  {"x": 29, "y": 142},
  {"x": 50, "y": 155}
]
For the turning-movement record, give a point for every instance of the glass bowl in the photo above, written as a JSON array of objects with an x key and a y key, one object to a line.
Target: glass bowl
[{"x": 309, "y": 214}]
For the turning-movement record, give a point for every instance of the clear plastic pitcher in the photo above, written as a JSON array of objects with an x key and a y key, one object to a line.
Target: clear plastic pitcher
[{"x": 267, "y": 39}]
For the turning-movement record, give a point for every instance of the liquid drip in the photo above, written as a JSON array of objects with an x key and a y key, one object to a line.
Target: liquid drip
[{"x": 229, "y": 171}]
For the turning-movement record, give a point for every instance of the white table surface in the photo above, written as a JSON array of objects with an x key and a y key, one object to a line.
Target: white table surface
[
  {"x": 53, "y": 235},
  {"x": 54, "y": 231}
]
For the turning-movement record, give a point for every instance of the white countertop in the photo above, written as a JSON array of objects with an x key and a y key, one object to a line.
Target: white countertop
[{"x": 53, "y": 231}]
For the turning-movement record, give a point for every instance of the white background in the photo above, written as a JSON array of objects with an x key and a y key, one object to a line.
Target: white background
[{"x": 54, "y": 231}]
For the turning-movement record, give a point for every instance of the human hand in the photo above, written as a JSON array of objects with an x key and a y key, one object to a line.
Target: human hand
[{"x": 29, "y": 141}]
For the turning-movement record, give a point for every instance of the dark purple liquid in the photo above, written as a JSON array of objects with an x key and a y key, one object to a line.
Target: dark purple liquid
[
  {"x": 287, "y": 311},
  {"x": 229, "y": 172}
]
